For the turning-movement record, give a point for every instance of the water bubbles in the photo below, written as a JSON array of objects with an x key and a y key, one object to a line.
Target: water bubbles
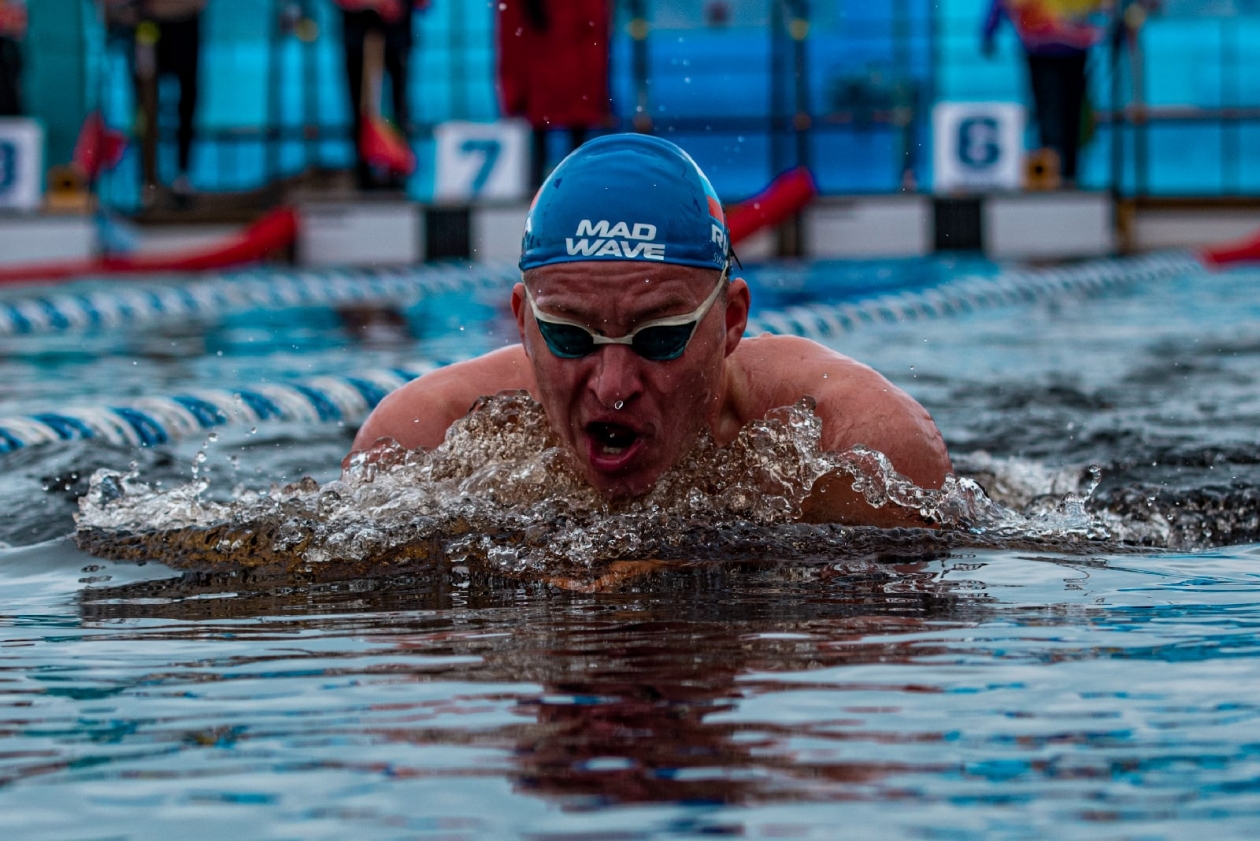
[{"x": 501, "y": 493}]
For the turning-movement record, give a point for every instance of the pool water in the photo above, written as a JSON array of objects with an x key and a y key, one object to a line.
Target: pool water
[{"x": 787, "y": 688}]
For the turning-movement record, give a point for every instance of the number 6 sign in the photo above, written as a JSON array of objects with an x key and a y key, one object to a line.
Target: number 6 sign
[
  {"x": 977, "y": 146},
  {"x": 481, "y": 161}
]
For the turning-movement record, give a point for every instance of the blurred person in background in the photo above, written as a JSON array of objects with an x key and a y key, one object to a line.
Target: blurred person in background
[
  {"x": 166, "y": 37},
  {"x": 389, "y": 24},
  {"x": 553, "y": 69},
  {"x": 1056, "y": 36},
  {"x": 12, "y": 30}
]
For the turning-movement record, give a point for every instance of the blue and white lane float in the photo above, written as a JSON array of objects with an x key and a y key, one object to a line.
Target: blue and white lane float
[
  {"x": 157, "y": 420},
  {"x": 150, "y": 421},
  {"x": 224, "y": 294},
  {"x": 970, "y": 293}
]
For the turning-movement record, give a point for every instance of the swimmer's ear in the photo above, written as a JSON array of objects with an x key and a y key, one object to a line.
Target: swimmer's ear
[
  {"x": 738, "y": 300},
  {"x": 518, "y": 308}
]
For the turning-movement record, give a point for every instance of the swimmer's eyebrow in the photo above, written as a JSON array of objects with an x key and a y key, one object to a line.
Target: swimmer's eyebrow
[{"x": 674, "y": 305}]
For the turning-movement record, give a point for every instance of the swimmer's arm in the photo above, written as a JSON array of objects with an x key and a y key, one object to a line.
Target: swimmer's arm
[
  {"x": 892, "y": 423},
  {"x": 419, "y": 413},
  {"x": 859, "y": 406}
]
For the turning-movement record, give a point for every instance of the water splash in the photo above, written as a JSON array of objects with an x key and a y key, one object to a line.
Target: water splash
[{"x": 502, "y": 493}]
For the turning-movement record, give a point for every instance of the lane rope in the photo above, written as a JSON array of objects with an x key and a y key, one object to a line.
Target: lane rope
[
  {"x": 970, "y": 293},
  {"x": 223, "y": 294},
  {"x": 151, "y": 421}
]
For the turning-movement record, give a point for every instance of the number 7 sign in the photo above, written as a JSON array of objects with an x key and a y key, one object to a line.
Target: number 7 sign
[{"x": 481, "y": 161}]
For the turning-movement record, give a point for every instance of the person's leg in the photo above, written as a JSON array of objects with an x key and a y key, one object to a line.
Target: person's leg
[
  {"x": 1038, "y": 72},
  {"x": 398, "y": 43},
  {"x": 353, "y": 31},
  {"x": 538, "y": 158},
  {"x": 10, "y": 78},
  {"x": 180, "y": 56},
  {"x": 144, "y": 66},
  {"x": 1059, "y": 87},
  {"x": 1072, "y": 80}
]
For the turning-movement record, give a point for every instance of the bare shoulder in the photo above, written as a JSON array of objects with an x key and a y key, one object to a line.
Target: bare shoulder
[
  {"x": 419, "y": 413},
  {"x": 858, "y": 405}
]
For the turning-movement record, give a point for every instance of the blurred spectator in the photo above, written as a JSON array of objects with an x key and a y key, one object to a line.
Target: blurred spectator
[
  {"x": 1056, "y": 36},
  {"x": 553, "y": 69},
  {"x": 391, "y": 22},
  {"x": 166, "y": 36},
  {"x": 12, "y": 30}
]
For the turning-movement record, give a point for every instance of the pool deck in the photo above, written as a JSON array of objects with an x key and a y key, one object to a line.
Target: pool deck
[{"x": 347, "y": 229}]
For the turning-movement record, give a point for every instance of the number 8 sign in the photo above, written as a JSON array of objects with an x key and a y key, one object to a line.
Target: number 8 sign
[
  {"x": 481, "y": 161},
  {"x": 977, "y": 146}
]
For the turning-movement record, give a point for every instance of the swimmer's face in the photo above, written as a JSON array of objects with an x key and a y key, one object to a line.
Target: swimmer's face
[{"x": 628, "y": 419}]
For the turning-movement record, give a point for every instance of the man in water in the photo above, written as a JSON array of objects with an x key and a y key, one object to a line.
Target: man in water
[{"x": 632, "y": 340}]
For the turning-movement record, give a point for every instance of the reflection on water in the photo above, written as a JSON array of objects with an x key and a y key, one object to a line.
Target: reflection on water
[{"x": 1000, "y": 692}]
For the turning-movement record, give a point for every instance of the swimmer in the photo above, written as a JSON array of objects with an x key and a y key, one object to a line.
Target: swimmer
[{"x": 632, "y": 340}]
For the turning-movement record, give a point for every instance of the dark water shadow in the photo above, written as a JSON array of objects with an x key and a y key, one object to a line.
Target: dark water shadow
[{"x": 630, "y": 684}]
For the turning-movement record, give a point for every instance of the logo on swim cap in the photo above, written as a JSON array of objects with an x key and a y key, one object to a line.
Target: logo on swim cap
[{"x": 626, "y": 197}]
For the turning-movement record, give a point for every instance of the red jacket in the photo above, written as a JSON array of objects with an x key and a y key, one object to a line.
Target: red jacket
[
  {"x": 557, "y": 75},
  {"x": 12, "y": 19}
]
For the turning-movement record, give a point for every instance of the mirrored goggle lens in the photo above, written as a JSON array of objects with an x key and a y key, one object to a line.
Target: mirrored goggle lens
[
  {"x": 566, "y": 340},
  {"x": 660, "y": 344},
  {"x": 657, "y": 344}
]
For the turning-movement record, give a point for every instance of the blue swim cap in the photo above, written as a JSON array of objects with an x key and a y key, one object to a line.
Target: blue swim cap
[{"x": 626, "y": 197}]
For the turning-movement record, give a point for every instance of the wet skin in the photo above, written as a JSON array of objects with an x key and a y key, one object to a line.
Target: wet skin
[{"x": 627, "y": 419}]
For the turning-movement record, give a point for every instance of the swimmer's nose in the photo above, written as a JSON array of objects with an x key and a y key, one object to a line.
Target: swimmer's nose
[{"x": 616, "y": 378}]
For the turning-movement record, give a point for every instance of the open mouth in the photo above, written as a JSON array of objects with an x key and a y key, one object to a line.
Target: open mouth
[{"x": 611, "y": 439}]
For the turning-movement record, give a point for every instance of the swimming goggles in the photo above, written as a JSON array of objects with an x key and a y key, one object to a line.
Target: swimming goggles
[{"x": 659, "y": 340}]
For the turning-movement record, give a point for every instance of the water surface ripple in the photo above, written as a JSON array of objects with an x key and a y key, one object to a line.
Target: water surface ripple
[
  {"x": 1092, "y": 671},
  {"x": 1019, "y": 695}
]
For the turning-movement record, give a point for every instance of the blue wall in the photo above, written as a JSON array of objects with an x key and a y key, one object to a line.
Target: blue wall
[{"x": 712, "y": 88}]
